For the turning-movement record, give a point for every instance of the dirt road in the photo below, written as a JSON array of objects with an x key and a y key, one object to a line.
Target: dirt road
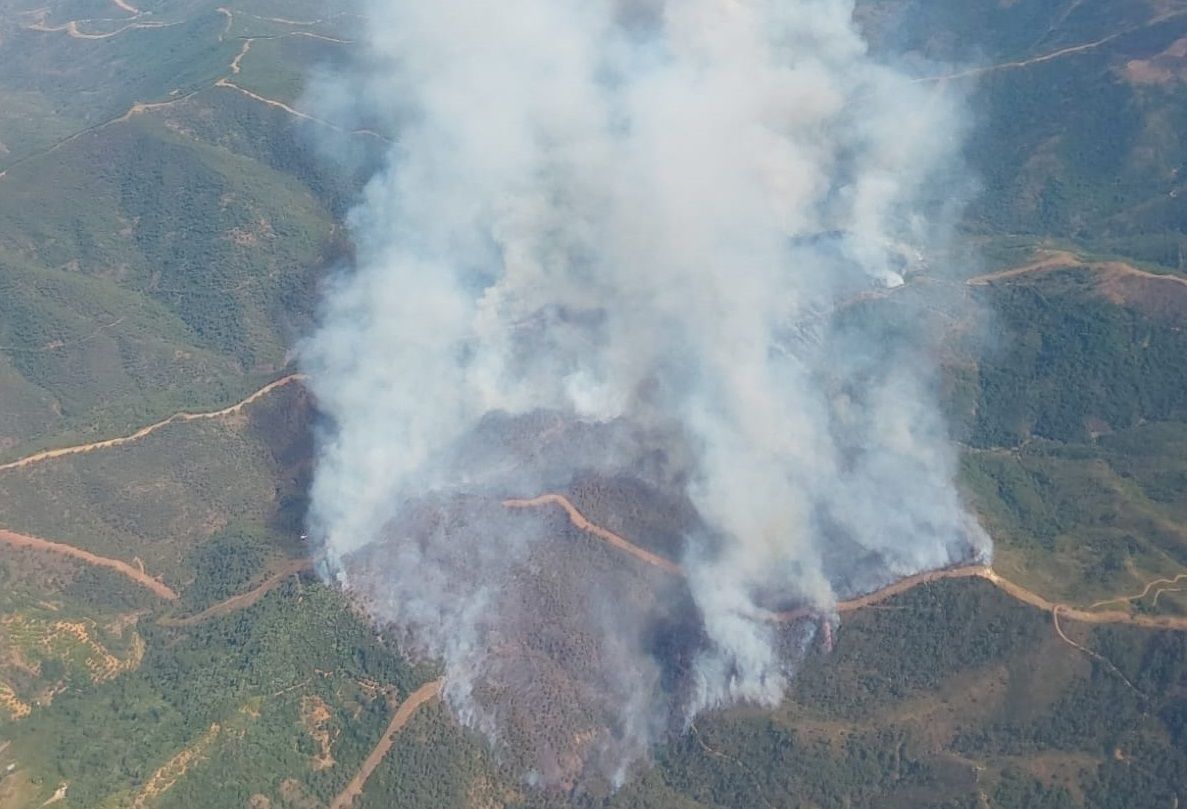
[
  {"x": 72, "y": 29},
  {"x": 1062, "y": 259},
  {"x": 1158, "y": 585},
  {"x": 176, "y": 418},
  {"x": 578, "y": 519},
  {"x": 13, "y": 539},
  {"x": 243, "y": 600},
  {"x": 899, "y": 587},
  {"x": 1060, "y": 53},
  {"x": 426, "y": 693},
  {"x": 903, "y": 585},
  {"x": 1104, "y": 661}
]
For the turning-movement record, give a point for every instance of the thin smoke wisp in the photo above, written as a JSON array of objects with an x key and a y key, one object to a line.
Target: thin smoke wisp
[{"x": 641, "y": 252}]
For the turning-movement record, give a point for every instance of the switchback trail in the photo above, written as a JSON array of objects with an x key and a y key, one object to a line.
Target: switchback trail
[
  {"x": 1158, "y": 585},
  {"x": 16, "y": 540},
  {"x": 903, "y": 585},
  {"x": 243, "y": 600},
  {"x": 176, "y": 418},
  {"x": 426, "y": 693}
]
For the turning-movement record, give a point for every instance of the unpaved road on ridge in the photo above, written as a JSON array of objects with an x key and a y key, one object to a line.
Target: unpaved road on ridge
[
  {"x": 578, "y": 519},
  {"x": 903, "y": 585},
  {"x": 1060, "y": 53},
  {"x": 426, "y": 693},
  {"x": 1062, "y": 259},
  {"x": 16, "y": 540},
  {"x": 243, "y": 600},
  {"x": 176, "y": 418}
]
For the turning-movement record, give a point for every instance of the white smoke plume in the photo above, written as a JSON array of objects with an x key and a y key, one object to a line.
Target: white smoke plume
[{"x": 662, "y": 224}]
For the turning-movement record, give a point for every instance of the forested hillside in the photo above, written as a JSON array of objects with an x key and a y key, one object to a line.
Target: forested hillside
[{"x": 168, "y": 210}]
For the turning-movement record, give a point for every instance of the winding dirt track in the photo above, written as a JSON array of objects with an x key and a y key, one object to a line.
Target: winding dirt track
[
  {"x": 1158, "y": 585},
  {"x": 1060, "y": 53},
  {"x": 578, "y": 519},
  {"x": 903, "y": 585},
  {"x": 1104, "y": 661},
  {"x": 426, "y": 693},
  {"x": 74, "y": 32},
  {"x": 72, "y": 29},
  {"x": 176, "y": 418},
  {"x": 16, "y": 540},
  {"x": 899, "y": 587},
  {"x": 1062, "y": 259},
  {"x": 243, "y": 600}
]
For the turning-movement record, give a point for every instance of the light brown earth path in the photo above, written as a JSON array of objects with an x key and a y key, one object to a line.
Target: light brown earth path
[
  {"x": 1057, "y": 54},
  {"x": 426, "y": 693},
  {"x": 141, "y": 107},
  {"x": 58, "y": 345},
  {"x": 578, "y": 519},
  {"x": 1050, "y": 260},
  {"x": 236, "y": 68},
  {"x": 899, "y": 587},
  {"x": 1034, "y": 60},
  {"x": 71, "y": 28},
  {"x": 1016, "y": 591},
  {"x": 243, "y": 600},
  {"x": 1158, "y": 585},
  {"x": 1085, "y": 650},
  {"x": 176, "y": 418},
  {"x": 227, "y": 84},
  {"x": 243, "y": 51},
  {"x": 74, "y": 32},
  {"x": 15, "y": 540}
]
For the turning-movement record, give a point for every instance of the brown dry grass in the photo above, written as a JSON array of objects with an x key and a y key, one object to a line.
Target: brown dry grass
[
  {"x": 9, "y": 701},
  {"x": 316, "y": 716}
]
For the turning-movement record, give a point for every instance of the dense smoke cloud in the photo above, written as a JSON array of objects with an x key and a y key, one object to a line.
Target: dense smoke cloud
[{"x": 633, "y": 246}]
